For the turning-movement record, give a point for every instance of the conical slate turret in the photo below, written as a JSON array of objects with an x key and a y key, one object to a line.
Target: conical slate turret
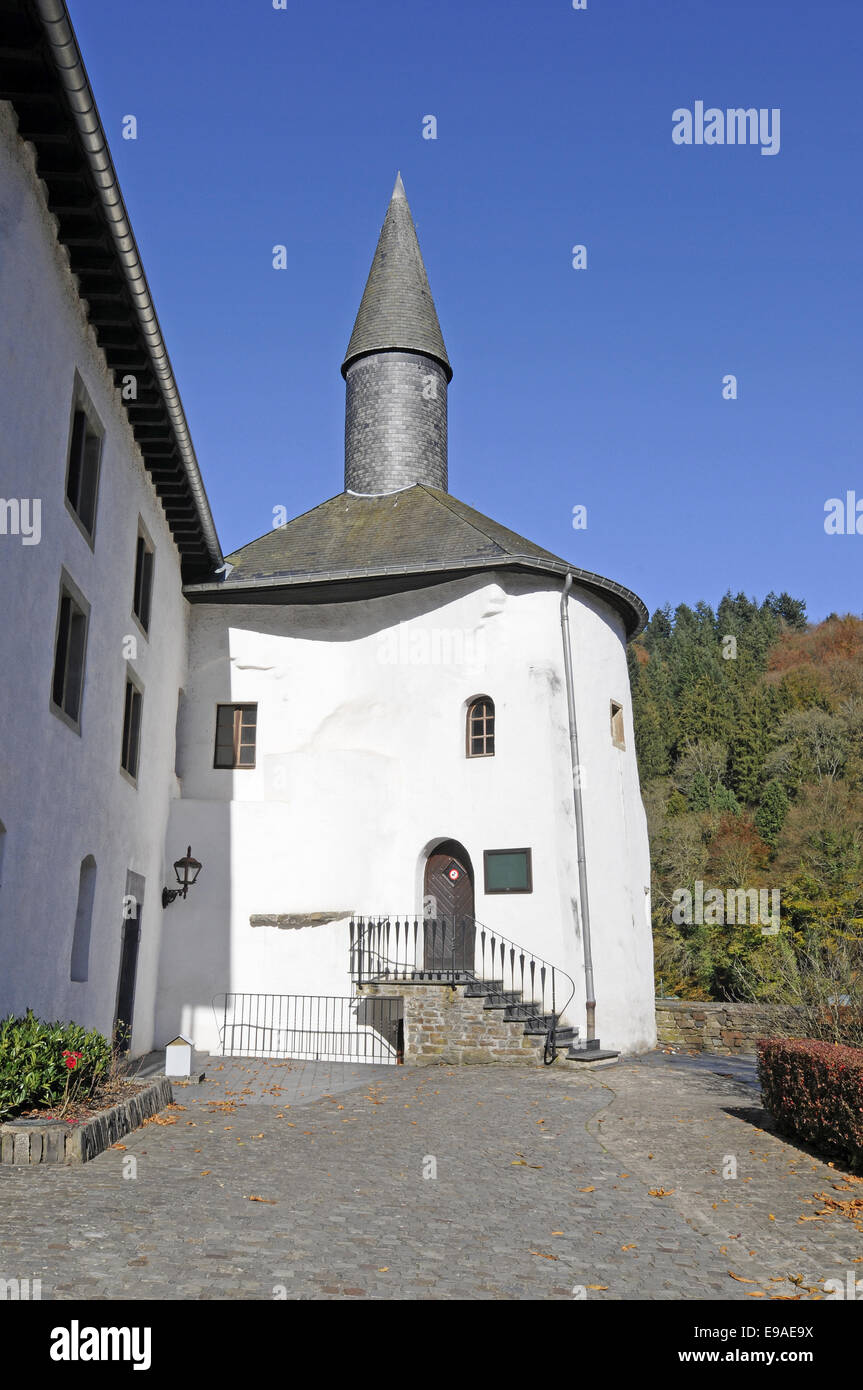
[{"x": 396, "y": 369}]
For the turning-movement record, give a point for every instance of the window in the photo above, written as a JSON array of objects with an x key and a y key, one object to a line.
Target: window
[
  {"x": 82, "y": 473},
  {"x": 236, "y": 729},
  {"x": 480, "y": 728},
  {"x": 70, "y": 646},
  {"x": 143, "y": 578},
  {"x": 508, "y": 871},
  {"x": 80, "y": 965},
  {"x": 617, "y": 725},
  {"x": 131, "y": 729}
]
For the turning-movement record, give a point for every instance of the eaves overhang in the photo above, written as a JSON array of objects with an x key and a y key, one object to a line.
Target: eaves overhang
[
  {"x": 42, "y": 75},
  {"x": 357, "y": 584}
]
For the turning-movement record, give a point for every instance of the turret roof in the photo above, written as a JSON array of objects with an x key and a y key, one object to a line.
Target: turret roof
[{"x": 397, "y": 311}]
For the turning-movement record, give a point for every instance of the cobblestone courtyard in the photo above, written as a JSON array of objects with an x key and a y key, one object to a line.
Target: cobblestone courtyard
[{"x": 545, "y": 1180}]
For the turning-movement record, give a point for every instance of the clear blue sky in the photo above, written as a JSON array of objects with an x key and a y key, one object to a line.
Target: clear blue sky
[{"x": 601, "y": 387}]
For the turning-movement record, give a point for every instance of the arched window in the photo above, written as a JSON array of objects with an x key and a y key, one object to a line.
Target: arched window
[
  {"x": 480, "y": 728},
  {"x": 83, "y": 920}
]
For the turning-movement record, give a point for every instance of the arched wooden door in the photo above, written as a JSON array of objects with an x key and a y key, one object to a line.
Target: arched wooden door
[{"x": 450, "y": 927}]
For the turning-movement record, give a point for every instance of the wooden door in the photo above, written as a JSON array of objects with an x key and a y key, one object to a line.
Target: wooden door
[{"x": 450, "y": 929}]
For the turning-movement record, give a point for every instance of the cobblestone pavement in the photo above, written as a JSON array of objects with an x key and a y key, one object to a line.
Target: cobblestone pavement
[{"x": 544, "y": 1182}]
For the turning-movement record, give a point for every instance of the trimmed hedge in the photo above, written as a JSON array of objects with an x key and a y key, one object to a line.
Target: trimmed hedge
[
  {"x": 814, "y": 1091},
  {"x": 43, "y": 1063}
]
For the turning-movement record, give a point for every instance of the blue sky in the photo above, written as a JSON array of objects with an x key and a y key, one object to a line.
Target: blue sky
[{"x": 600, "y": 387}]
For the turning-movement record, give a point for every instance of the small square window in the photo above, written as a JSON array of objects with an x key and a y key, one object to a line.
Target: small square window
[
  {"x": 508, "y": 871},
  {"x": 236, "y": 736},
  {"x": 617, "y": 737},
  {"x": 70, "y": 647},
  {"x": 143, "y": 588},
  {"x": 82, "y": 472},
  {"x": 132, "y": 711}
]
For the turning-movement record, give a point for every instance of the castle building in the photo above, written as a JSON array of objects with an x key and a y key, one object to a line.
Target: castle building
[{"x": 396, "y": 736}]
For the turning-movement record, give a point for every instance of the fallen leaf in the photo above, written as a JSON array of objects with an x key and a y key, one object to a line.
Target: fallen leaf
[
  {"x": 543, "y": 1255},
  {"x": 270, "y": 1201},
  {"x": 587, "y": 1189},
  {"x": 740, "y": 1279}
]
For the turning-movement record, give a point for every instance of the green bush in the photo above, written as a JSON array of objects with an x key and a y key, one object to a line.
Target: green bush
[
  {"x": 33, "y": 1071},
  {"x": 814, "y": 1091}
]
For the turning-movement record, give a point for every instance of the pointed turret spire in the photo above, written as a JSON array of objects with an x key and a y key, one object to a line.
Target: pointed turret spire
[
  {"x": 397, "y": 311},
  {"x": 396, "y": 370}
]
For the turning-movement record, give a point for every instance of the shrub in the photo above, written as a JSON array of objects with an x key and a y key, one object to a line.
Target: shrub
[
  {"x": 814, "y": 1090},
  {"x": 41, "y": 1063}
]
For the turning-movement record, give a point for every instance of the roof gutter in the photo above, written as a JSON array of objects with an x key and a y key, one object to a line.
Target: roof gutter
[{"x": 73, "y": 76}]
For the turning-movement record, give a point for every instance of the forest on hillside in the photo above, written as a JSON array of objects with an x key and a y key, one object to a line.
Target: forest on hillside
[{"x": 749, "y": 734}]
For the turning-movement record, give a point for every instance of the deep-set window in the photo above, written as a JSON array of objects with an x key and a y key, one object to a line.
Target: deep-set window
[
  {"x": 236, "y": 733},
  {"x": 508, "y": 871},
  {"x": 80, "y": 963},
  {"x": 617, "y": 725},
  {"x": 480, "y": 728},
  {"x": 70, "y": 648},
  {"x": 143, "y": 588},
  {"x": 132, "y": 711},
  {"x": 82, "y": 473}
]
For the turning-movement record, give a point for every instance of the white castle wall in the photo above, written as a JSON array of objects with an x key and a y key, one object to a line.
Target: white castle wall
[
  {"x": 361, "y": 769},
  {"x": 62, "y": 796}
]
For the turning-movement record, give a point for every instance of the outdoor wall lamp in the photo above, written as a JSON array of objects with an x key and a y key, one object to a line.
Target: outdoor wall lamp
[{"x": 187, "y": 870}]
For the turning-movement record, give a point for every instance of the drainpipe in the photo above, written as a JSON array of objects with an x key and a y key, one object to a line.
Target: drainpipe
[{"x": 584, "y": 905}]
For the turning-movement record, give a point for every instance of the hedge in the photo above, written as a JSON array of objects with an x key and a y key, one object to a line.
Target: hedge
[
  {"x": 814, "y": 1091},
  {"x": 41, "y": 1064}
]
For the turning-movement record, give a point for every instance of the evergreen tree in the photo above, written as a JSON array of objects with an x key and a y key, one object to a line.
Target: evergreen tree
[{"x": 771, "y": 813}]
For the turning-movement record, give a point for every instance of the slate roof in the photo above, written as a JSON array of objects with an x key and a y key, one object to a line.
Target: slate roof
[
  {"x": 355, "y": 547},
  {"x": 397, "y": 311}
]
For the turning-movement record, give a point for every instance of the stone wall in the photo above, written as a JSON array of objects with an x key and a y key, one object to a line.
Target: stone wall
[
  {"x": 727, "y": 1029},
  {"x": 443, "y": 1024}
]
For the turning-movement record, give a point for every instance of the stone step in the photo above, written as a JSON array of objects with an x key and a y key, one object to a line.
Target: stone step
[
  {"x": 590, "y": 1056},
  {"x": 563, "y": 1037},
  {"x": 478, "y": 988},
  {"x": 504, "y": 999}
]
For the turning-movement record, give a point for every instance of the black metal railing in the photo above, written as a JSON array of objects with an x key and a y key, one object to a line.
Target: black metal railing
[
  {"x": 311, "y": 1027},
  {"x": 460, "y": 950}
]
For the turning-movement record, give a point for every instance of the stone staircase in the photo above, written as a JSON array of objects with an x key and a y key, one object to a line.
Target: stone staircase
[
  {"x": 514, "y": 1009},
  {"x": 467, "y": 1021}
]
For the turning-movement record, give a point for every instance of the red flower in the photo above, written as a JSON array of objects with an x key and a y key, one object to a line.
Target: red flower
[{"x": 72, "y": 1059}]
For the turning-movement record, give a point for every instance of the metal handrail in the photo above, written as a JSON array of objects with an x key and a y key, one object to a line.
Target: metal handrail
[{"x": 390, "y": 946}]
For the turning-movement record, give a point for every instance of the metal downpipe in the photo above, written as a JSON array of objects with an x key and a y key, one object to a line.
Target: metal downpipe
[{"x": 584, "y": 904}]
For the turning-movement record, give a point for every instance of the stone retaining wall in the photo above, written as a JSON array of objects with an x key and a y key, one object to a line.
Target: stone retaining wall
[
  {"x": 443, "y": 1024},
  {"x": 57, "y": 1142},
  {"x": 727, "y": 1029}
]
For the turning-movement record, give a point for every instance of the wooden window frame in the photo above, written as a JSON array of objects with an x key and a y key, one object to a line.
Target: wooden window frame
[
  {"x": 237, "y": 737},
  {"x": 85, "y": 429},
  {"x": 137, "y": 689},
  {"x": 617, "y": 715},
  {"x": 488, "y": 854},
  {"x": 485, "y": 735},
  {"x": 69, "y": 591},
  {"x": 144, "y": 549}
]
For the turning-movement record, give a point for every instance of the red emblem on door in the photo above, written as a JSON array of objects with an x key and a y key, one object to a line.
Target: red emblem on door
[{"x": 453, "y": 873}]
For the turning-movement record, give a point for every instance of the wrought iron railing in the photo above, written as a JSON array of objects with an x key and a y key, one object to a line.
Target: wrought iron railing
[
  {"x": 460, "y": 950},
  {"x": 312, "y": 1027}
]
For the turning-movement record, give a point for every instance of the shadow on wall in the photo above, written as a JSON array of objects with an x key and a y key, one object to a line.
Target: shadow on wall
[{"x": 195, "y": 951}]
